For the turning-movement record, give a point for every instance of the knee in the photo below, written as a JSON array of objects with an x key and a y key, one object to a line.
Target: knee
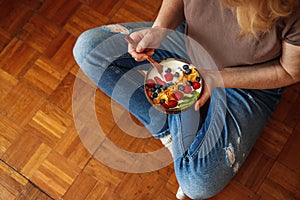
[
  {"x": 200, "y": 191},
  {"x": 202, "y": 182},
  {"x": 83, "y": 46}
]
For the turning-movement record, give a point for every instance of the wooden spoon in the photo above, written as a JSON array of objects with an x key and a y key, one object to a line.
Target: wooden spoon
[{"x": 155, "y": 64}]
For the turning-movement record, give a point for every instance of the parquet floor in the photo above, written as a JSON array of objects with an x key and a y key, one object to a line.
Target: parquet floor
[{"x": 41, "y": 154}]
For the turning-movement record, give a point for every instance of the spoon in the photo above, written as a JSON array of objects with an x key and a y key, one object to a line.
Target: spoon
[{"x": 155, "y": 64}]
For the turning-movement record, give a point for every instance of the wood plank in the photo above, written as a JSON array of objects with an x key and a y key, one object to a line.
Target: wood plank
[
  {"x": 97, "y": 192},
  {"x": 17, "y": 49},
  {"x": 21, "y": 104},
  {"x": 14, "y": 14},
  {"x": 289, "y": 156},
  {"x": 50, "y": 123},
  {"x": 7, "y": 83},
  {"x": 272, "y": 141},
  {"x": 55, "y": 175},
  {"x": 235, "y": 191},
  {"x": 286, "y": 104},
  {"x": 60, "y": 11},
  {"x": 62, "y": 96},
  {"x": 45, "y": 75},
  {"x": 9, "y": 132},
  {"x": 18, "y": 156},
  {"x": 134, "y": 11},
  {"x": 39, "y": 32},
  {"x": 285, "y": 177},
  {"x": 5, "y": 37},
  {"x": 106, "y": 8},
  {"x": 71, "y": 147},
  {"x": 255, "y": 169},
  {"x": 270, "y": 190},
  {"x": 33, "y": 4},
  {"x": 11, "y": 182},
  {"x": 105, "y": 175},
  {"x": 76, "y": 191},
  {"x": 60, "y": 50},
  {"x": 83, "y": 19},
  {"x": 293, "y": 118},
  {"x": 146, "y": 186}
]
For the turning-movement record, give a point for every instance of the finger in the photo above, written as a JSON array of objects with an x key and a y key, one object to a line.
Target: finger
[
  {"x": 204, "y": 97},
  {"x": 138, "y": 56},
  {"x": 141, "y": 56}
]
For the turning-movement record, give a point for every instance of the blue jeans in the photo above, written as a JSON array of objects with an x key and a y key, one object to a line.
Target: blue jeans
[{"x": 207, "y": 150}]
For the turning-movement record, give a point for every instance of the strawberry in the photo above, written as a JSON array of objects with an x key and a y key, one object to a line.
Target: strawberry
[
  {"x": 149, "y": 93},
  {"x": 178, "y": 95},
  {"x": 187, "y": 89},
  {"x": 159, "y": 81},
  {"x": 173, "y": 103},
  {"x": 165, "y": 106},
  {"x": 169, "y": 77},
  {"x": 196, "y": 85},
  {"x": 150, "y": 83}
]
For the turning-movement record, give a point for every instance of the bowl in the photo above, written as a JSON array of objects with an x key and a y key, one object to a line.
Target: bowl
[{"x": 177, "y": 88}]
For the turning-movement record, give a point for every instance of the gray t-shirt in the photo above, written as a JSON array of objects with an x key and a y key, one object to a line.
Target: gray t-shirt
[{"x": 215, "y": 28}]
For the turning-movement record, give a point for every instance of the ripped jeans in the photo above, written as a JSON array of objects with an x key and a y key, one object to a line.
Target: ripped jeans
[{"x": 207, "y": 151}]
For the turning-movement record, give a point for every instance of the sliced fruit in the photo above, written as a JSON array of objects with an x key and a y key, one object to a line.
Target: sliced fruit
[
  {"x": 169, "y": 77},
  {"x": 149, "y": 93},
  {"x": 178, "y": 95},
  {"x": 150, "y": 83},
  {"x": 173, "y": 103},
  {"x": 196, "y": 85},
  {"x": 165, "y": 106},
  {"x": 187, "y": 89},
  {"x": 159, "y": 81}
]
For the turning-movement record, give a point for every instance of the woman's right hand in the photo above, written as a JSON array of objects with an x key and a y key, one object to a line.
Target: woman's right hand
[{"x": 146, "y": 41}]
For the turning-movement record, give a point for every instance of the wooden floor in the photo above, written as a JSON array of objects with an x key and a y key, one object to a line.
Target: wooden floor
[{"x": 41, "y": 154}]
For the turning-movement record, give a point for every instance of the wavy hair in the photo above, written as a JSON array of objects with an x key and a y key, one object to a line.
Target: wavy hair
[{"x": 256, "y": 16}]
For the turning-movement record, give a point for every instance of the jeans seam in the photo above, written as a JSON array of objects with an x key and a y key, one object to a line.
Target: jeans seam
[
  {"x": 197, "y": 150},
  {"x": 180, "y": 132}
]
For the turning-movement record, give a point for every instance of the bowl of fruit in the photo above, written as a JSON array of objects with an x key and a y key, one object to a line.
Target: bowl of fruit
[{"x": 176, "y": 88}]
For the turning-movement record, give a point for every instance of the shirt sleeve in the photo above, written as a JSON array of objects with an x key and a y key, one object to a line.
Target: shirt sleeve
[{"x": 292, "y": 32}]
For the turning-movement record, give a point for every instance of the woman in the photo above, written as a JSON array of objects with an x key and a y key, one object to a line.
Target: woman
[{"x": 255, "y": 51}]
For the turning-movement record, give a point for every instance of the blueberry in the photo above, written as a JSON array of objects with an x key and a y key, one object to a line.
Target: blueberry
[
  {"x": 188, "y": 71},
  {"x": 165, "y": 87},
  {"x": 180, "y": 87},
  {"x": 155, "y": 95},
  {"x": 189, "y": 83},
  {"x": 176, "y": 74},
  {"x": 158, "y": 90},
  {"x": 152, "y": 89},
  {"x": 157, "y": 86},
  {"x": 162, "y": 101},
  {"x": 198, "y": 79},
  {"x": 185, "y": 67},
  {"x": 168, "y": 70}
]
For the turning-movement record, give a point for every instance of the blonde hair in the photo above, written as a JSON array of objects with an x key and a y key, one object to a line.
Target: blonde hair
[{"x": 256, "y": 16}]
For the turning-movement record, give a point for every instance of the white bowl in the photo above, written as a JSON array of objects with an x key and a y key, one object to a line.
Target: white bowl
[{"x": 176, "y": 88}]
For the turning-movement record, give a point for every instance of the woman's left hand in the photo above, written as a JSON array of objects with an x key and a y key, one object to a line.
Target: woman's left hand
[
  {"x": 209, "y": 83},
  {"x": 205, "y": 95}
]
